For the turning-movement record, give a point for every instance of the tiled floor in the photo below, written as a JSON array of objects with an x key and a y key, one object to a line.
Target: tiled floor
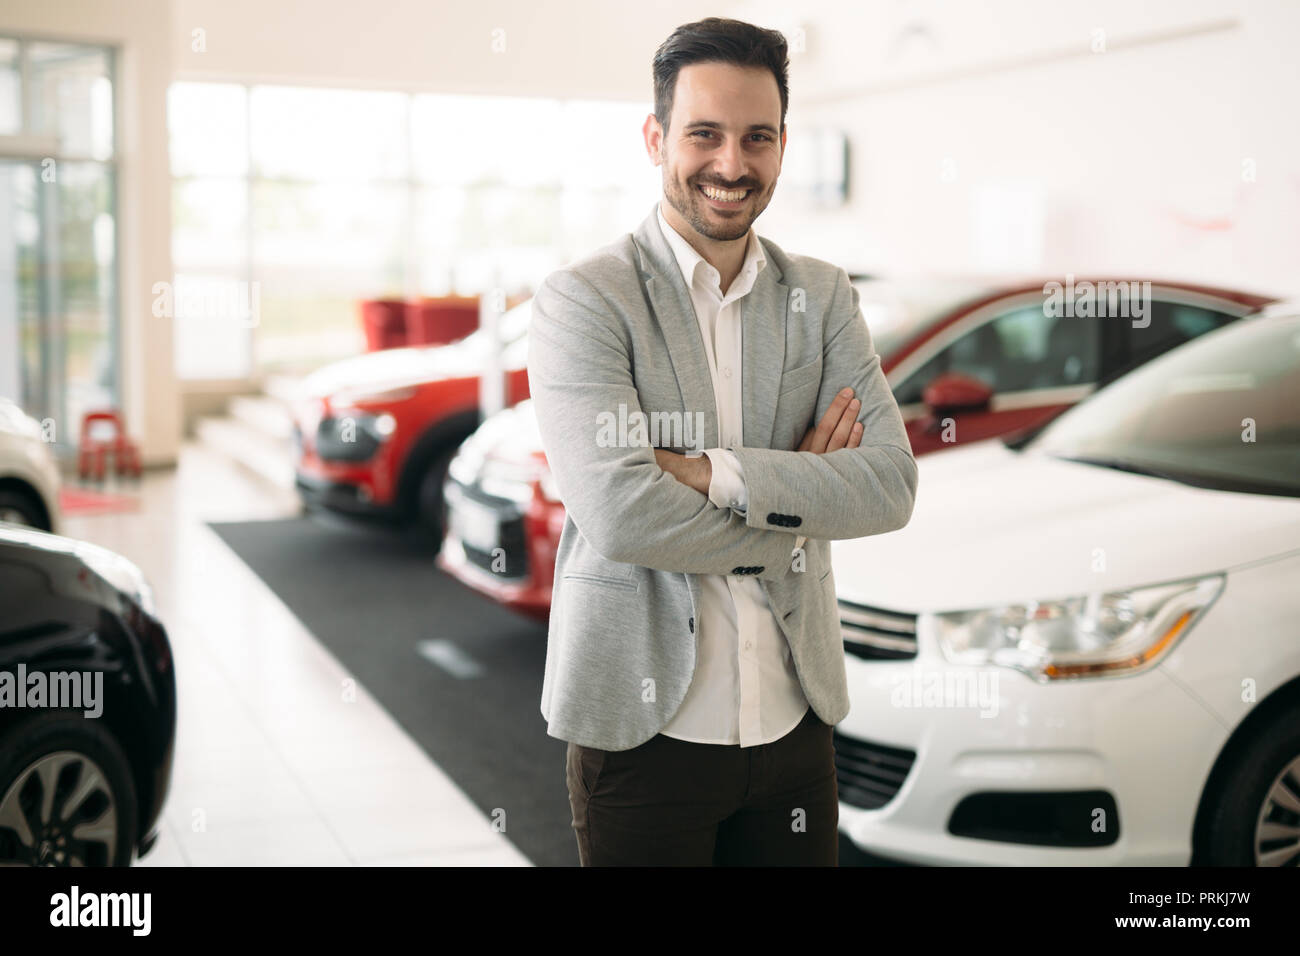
[{"x": 280, "y": 757}]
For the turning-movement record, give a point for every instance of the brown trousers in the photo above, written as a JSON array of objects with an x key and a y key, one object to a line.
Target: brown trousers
[{"x": 670, "y": 802}]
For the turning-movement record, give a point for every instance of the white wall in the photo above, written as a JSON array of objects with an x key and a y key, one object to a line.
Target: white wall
[
  {"x": 144, "y": 38},
  {"x": 1058, "y": 159}
]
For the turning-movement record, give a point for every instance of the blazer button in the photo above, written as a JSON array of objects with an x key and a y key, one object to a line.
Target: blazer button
[{"x": 691, "y": 625}]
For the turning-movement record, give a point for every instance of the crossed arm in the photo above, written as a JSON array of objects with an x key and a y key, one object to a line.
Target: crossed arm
[{"x": 633, "y": 509}]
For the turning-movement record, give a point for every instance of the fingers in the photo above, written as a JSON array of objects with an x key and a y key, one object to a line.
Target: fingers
[
  {"x": 840, "y": 437},
  {"x": 830, "y": 421}
]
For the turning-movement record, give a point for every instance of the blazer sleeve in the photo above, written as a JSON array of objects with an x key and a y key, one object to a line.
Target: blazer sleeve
[
  {"x": 625, "y": 505},
  {"x": 850, "y": 492}
]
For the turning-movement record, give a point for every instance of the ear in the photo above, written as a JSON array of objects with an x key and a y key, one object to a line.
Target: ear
[{"x": 654, "y": 136}]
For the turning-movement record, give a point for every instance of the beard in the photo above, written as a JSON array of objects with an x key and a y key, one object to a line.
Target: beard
[{"x": 693, "y": 207}]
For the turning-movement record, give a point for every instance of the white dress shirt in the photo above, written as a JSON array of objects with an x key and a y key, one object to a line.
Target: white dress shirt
[{"x": 745, "y": 690}]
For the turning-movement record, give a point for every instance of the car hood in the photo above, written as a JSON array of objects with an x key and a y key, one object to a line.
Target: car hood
[
  {"x": 992, "y": 526},
  {"x": 394, "y": 368}
]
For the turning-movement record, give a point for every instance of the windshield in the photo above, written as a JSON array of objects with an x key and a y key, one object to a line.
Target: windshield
[{"x": 1222, "y": 411}]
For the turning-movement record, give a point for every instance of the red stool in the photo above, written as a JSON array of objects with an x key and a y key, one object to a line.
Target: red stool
[{"x": 94, "y": 449}]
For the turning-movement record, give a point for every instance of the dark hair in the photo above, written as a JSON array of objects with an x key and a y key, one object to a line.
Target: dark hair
[{"x": 718, "y": 40}]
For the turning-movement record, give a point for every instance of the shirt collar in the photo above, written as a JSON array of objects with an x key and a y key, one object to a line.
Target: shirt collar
[{"x": 688, "y": 260}]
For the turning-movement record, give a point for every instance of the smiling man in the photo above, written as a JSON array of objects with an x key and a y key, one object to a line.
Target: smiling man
[{"x": 694, "y": 661}]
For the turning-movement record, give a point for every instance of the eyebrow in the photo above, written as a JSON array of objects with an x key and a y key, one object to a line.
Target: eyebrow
[{"x": 754, "y": 128}]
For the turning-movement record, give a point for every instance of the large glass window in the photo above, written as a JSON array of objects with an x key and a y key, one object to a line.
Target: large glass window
[
  {"x": 321, "y": 197},
  {"x": 58, "y": 231}
]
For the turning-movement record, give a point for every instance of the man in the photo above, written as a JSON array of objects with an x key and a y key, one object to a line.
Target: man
[{"x": 694, "y": 661}]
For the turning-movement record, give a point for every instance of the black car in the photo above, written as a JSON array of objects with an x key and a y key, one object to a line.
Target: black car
[{"x": 87, "y": 705}]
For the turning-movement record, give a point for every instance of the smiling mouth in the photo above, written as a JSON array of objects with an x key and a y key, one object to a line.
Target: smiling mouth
[{"x": 725, "y": 197}]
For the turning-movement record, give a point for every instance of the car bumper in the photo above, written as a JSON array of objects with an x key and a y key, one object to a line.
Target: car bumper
[
  {"x": 486, "y": 548},
  {"x": 341, "y": 496},
  {"x": 1141, "y": 741}
]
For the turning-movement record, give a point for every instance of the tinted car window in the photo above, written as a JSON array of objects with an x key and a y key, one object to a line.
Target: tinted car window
[
  {"x": 1171, "y": 324},
  {"x": 1016, "y": 351}
]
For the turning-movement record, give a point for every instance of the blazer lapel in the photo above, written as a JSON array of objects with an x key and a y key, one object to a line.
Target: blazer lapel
[
  {"x": 762, "y": 345},
  {"x": 762, "y": 337}
]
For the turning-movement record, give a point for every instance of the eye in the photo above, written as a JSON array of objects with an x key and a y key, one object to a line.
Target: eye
[{"x": 702, "y": 132}]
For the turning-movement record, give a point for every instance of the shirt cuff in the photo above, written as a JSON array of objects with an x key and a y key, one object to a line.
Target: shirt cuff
[{"x": 727, "y": 483}]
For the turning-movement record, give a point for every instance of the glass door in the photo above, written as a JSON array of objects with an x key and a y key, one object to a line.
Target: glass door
[{"x": 58, "y": 232}]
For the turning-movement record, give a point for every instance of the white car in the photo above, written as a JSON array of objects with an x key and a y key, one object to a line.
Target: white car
[
  {"x": 1084, "y": 648},
  {"x": 29, "y": 474}
]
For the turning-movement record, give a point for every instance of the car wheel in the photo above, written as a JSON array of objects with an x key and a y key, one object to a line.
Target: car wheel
[
  {"x": 19, "y": 508},
  {"x": 430, "y": 504},
  {"x": 1255, "y": 814},
  {"x": 66, "y": 795}
]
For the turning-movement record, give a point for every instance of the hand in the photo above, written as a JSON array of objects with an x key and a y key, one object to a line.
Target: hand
[
  {"x": 696, "y": 472},
  {"x": 839, "y": 427}
]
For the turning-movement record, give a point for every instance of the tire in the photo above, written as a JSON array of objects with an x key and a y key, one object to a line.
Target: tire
[
  {"x": 63, "y": 749},
  {"x": 430, "y": 506},
  {"x": 1258, "y": 784},
  {"x": 22, "y": 508}
]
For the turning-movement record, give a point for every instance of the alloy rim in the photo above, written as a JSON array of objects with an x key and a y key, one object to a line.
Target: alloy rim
[
  {"x": 1277, "y": 832},
  {"x": 60, "y": 811}
]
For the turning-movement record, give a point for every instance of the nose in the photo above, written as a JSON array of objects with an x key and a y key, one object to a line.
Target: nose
[{"x": 729, "y": 163}]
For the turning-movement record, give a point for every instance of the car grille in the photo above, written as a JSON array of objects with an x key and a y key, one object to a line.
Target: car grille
[
  {"x": 875, "y": 634},
  {"x": 510, "y": 531},
  {"x": 869, "y": 774},
  {"x": 332, "y": 446}
]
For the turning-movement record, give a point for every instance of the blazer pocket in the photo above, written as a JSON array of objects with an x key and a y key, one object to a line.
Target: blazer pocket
[
  {"x": 600, "y": 579},
  {"x": 794, "y": 378}
]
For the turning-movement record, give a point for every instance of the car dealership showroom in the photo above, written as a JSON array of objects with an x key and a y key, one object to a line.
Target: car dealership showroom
[{"x": 585, "y": 433}]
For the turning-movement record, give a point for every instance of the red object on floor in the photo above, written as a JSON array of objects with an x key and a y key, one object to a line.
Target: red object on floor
[
  {"x": 384, "y": 322},
  {"x": 83, "y": 501},
  {"x": 103, "y": 433},
  {"x": 438, "y": 321}
]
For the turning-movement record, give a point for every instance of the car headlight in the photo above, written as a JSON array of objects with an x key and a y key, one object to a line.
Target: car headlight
[
  {"x": 382, "y": 425},
  {"x": 1093, "y": 635},
  {"x": 507, "y": 479},
  {"x": 120, "y": 573},
  {"x": 467, "y": 461}
]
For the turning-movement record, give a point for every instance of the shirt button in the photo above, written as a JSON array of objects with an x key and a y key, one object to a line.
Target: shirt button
[
  {"x": 727, "y": 371},
  {"x": 748, "y": 645}
]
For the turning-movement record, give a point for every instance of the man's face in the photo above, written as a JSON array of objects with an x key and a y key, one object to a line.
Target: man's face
[{"x": 724, "y": 133}]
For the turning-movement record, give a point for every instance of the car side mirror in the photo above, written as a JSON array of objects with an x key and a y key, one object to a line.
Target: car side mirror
[{"x": 953, "y": 391}]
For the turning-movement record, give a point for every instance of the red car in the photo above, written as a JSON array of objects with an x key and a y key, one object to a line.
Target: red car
[
  {"x": 374, "y": 433},
  {"x": 966, "y": 361}
]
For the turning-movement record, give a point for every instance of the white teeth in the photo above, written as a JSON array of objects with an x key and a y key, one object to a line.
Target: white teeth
[{"x": 723, "y": 195}]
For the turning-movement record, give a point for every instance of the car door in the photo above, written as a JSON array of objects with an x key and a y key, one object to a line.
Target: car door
[{"x": 1036, "y": 364}]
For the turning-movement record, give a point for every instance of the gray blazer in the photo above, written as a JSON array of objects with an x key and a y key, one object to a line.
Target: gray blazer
[{"x": 618, "y": 328}]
